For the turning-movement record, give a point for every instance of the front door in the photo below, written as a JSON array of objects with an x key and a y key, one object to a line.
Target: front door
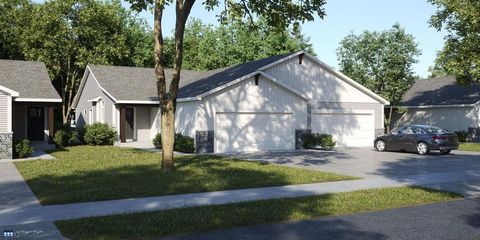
[
  {"x": 129, "y": 126},
  {"x": 35, "y": 124}
]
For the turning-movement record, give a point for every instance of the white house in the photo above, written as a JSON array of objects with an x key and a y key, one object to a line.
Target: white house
[
  {"x": 255, "y": 106},
  {"x": 441, "y": 102}
]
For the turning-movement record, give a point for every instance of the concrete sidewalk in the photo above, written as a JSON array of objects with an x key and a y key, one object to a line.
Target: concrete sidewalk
[
  {"x": 36, "y": 214},
  {"x": 15, "y": 194}
]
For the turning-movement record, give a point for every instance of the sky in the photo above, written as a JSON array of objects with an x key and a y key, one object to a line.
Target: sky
[{"x": 344, "y": 16}]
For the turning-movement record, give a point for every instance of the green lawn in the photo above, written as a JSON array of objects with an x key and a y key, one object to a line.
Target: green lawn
[
  {"x": 87, "y": 173},
  {"x": 197, "y": 219},
  {"x": 470, "y": 147}
]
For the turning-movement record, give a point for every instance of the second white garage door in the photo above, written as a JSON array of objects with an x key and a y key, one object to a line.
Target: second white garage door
[
  {"x": 348, "y": 128},
  {"x": 236, "y": 132}
]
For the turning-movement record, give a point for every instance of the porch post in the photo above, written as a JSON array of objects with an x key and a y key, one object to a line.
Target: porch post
[
  {"x": 122, "y": 124},
  {"x": 50, "y": 125}
]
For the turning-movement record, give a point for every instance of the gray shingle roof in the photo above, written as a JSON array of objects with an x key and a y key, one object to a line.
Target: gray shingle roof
[
  {"x": 138, "y": 84},
  {"x": 30, "y": 79},
  {"x": 441, "y": 91}
]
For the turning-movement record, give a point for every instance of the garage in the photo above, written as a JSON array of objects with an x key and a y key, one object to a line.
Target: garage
[
  {"x": 238, "y": 132},
  {"x": 348, "y": 128}
]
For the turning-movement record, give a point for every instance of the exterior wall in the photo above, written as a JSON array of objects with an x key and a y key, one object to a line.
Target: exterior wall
[
  {"x": 376, "y": 107},
  {"x": 6, "y": 146},
  {"x": 92, "y": 90},
  {"x": 317, "y": 83},
  {"x": 450, "y": 118},
  {"x": 4, "y": 112},
  {"x": 186, "y": 116},
  {"x": 247, "y": 97},
  {"x": 142, "y": 124}
]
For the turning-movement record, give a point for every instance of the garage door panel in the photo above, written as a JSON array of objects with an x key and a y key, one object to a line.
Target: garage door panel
[
  {"x": 253, "y": 132},
  {"x": 348, "y": 129}
]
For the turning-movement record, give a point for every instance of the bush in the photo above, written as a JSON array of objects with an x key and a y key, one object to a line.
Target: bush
[
  {"x": 315, "y": 140},
  {"x": 67, "y": 136},
  {"x": 326, "y": 141},
  {"x": 22, "y": 149},
  {"x": 99, "y": 134},
  {"x": 462, "y": 136},
  {"x": 182, "y": 143},
  {"x": 157, "y": 141}
]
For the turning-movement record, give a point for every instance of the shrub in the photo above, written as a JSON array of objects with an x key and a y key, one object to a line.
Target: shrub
[
  {"x": 326, "y": 141},
  {"x": 99, "y": 134},
  {"x": 157, "y": 141},
  {"x": 462, "y": 136},
  {"x": 22, "y": 149},
  {"x": 184, "y": 144},
  {"x": 315, "y": 140},
  {"x": 67, "y": 136}
]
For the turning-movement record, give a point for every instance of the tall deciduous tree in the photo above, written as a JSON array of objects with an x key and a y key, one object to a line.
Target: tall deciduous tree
[
  {"x": 381, "y": 61},
  {"x": 207, "y": 47},
  {"x": 69, "y": 34},
  {"x": 277, "y": 13},
  {"x": 461, "y": 52}
]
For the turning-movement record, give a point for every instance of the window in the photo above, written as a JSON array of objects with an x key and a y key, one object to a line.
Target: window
[
  {"x": 419, "y": 131},
  {"x": 100, "y": 106},
  {"x": 90, "y": 116},
  {"x": 407, "y": 130}
]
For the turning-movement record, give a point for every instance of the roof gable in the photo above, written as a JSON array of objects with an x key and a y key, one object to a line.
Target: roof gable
[
  {"x": 30, "y": 79},
  {"x": 441, "y": 91}
]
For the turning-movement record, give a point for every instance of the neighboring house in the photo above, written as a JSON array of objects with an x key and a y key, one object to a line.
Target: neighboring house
[
  {"x": 441, "y": 102},
  {"x": 27, "y": 100},
  {"x": 255, "y": 106}
]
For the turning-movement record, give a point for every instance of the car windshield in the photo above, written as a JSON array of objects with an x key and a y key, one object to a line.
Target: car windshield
[{"x": 435, "y": 130}]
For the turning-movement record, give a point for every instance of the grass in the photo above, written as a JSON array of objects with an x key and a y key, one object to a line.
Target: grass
[
  {"x": 198, "y": 219},
  {"x": 87, "y": 173},
  {"x": 475, "y": 147}
]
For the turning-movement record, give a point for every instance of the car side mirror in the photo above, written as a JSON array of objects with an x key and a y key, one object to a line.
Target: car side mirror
[{"x": 394, "y": 132}]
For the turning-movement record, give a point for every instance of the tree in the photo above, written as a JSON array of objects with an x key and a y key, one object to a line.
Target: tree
[
  {"x": 439, "y": 68},
  {"x": 381, "y": 61},
  {"x": 12, "y": 19},
  {"x": 69, "y": 34},
  {"x": 277, "y": 13},
  {"x": 207, "y": 47},
  {"x": 461, "y": 52}
]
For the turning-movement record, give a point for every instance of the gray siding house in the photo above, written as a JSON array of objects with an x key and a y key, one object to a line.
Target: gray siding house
[
  {"x": 441, "y": 102},
  {"x": 27, "y": 101},
  {"x": 254, "y": 106}
]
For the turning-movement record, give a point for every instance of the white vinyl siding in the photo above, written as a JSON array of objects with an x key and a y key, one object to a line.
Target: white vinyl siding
[
  {"x": 254, "y": 132},
  {"x": 349, "y": 129},
  {"x": 5, "y": 113},
  {"x": 316, "y": 82},
  {"x": 450, "y": 118}
]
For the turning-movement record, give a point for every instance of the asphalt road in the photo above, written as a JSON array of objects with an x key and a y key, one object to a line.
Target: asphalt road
[{"x": 451, "y": 220}]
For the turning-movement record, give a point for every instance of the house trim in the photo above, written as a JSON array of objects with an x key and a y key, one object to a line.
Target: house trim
[
  {"x": 55, "y": 100},
  {"x": 10, "y": 92},
  {"x": 440, "y": 106}
]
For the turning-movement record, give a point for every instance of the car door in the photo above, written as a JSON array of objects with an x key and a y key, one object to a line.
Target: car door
[
  {"x": 394, "y": 141},
  {"x": 409, "y": 140}
]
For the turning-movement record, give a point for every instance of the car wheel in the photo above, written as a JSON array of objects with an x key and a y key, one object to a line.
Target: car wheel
[
  {"x": 422, "y": 148},
  {"x": 445, "y": 152},
  {"x": 380, "y": 146}
]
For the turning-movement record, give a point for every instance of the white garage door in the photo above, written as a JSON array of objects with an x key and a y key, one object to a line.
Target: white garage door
[
  {"x": 235, "y": 132},
  {"x": 349, "y": 129}
]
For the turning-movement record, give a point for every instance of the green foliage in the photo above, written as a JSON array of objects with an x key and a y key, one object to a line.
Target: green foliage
[
  {"x": 157, "y": 141},
  {"x": 315, "y": 140},
  {"x": 69, "y": 34},
  {"x": 183, "y": 144},
  {"x": 460, "y": 55},
  {"x": 22, "y": 149},
  {"x": 462, "y": 136},
  {"x": 207, "y": 47},
  {"x": 381, "y": 61},
  {"x": 67, "y": 136},
  {"x": 99, "y": 134}
]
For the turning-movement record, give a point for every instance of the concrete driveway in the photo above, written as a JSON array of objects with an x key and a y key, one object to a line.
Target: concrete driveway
[{"x": 368, "y": 163}]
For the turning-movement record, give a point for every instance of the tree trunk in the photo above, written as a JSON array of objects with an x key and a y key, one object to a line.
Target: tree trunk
[
  {"x": 389, "y": 121},
  {"x": 168, "y": 135}
]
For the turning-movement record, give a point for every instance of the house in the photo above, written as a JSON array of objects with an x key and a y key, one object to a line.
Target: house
[
  {"x": 27, "y": 101},
  {"x": 441, "y": 102},
  {"x": 262, "y": 105}
]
